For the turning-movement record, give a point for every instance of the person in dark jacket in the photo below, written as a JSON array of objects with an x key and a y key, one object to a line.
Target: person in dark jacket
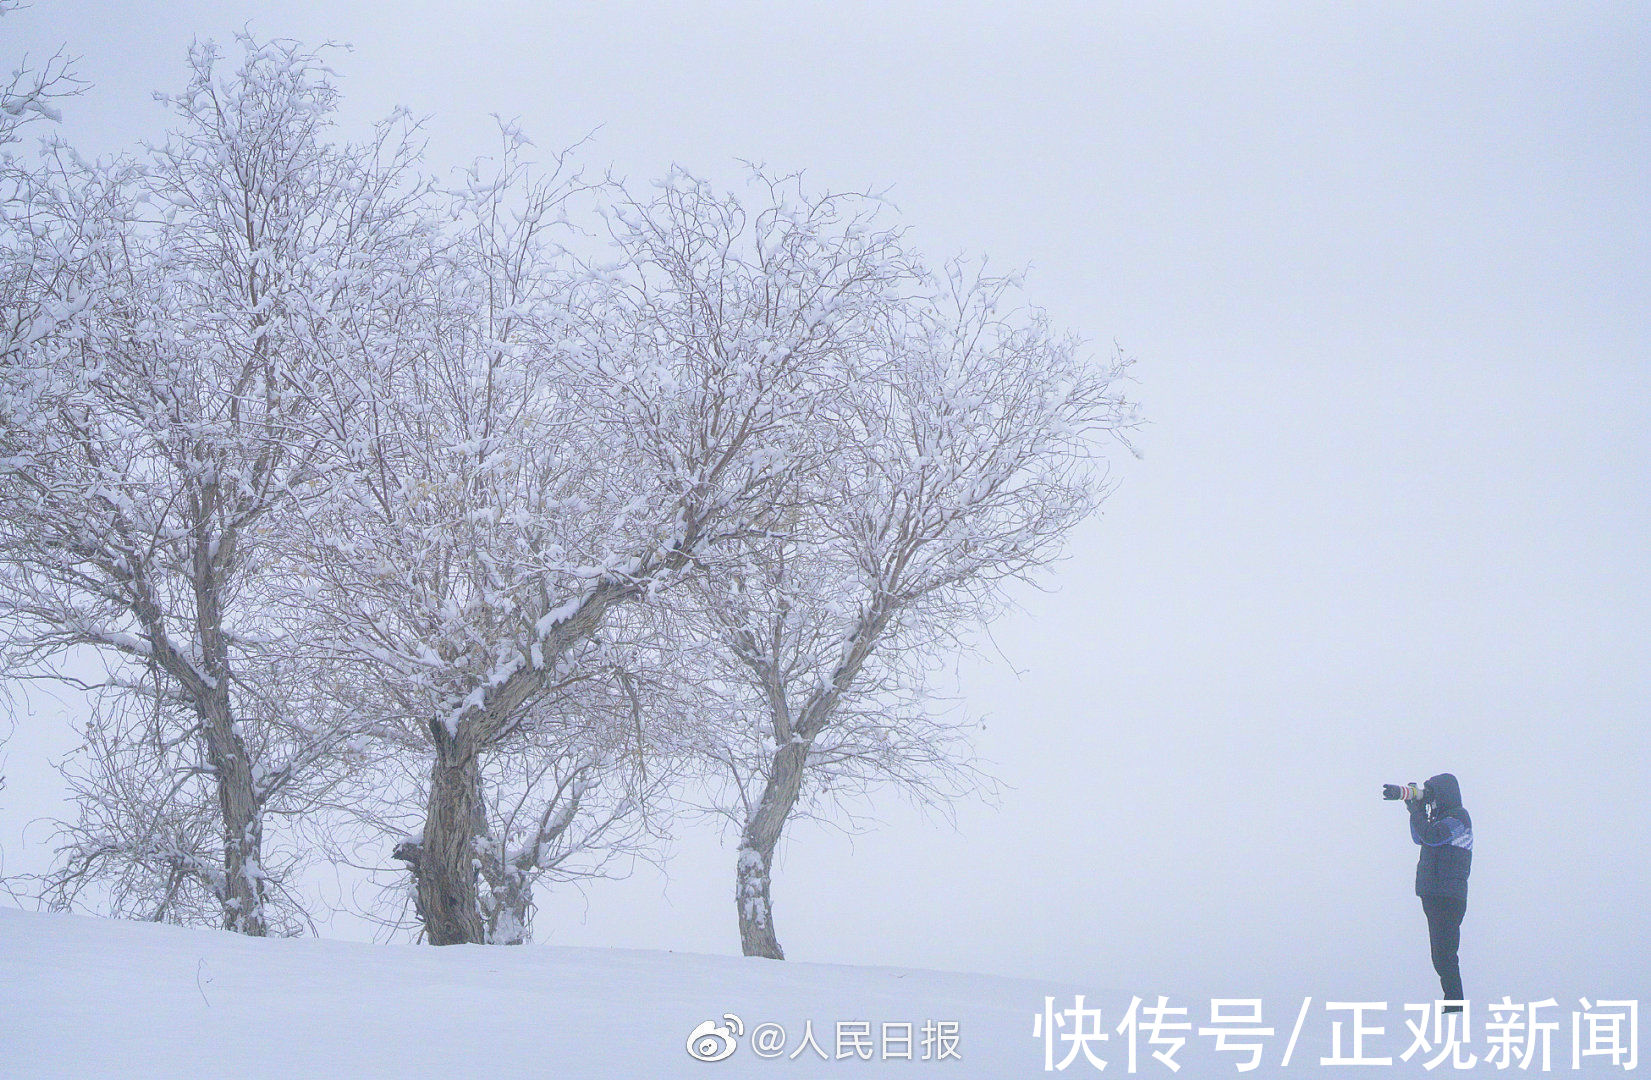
[{"x": 1441, "y": 825}]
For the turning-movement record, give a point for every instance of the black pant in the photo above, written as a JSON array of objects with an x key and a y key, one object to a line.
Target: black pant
[{"x": 1444, "y": 934}]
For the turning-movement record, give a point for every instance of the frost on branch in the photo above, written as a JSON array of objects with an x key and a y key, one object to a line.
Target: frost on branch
[{"x": 32, "y": 93}]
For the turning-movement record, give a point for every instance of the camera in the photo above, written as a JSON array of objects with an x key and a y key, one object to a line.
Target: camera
[{"x": 1407, "y": 792}]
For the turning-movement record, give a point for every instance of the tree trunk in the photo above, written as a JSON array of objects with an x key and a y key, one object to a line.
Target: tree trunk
[
  {"x": 448, "y": 900},
  {"x": 754, "y": 868},
  {"x": 242, "y": 889}
]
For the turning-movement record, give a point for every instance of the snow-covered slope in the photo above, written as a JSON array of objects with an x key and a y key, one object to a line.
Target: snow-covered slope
[
  {"x": 83, "y": 997},
  {"x": 87, "y": 998}
]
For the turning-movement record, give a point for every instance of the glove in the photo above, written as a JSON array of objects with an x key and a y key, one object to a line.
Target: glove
[{"x": 1392, "y": 791}]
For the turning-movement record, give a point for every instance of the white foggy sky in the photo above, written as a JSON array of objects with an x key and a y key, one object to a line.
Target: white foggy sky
[{"x": 1384, "y": 273}]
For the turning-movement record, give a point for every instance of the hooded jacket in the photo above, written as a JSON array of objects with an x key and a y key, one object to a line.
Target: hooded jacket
[{"x": 1440, "y": 824}]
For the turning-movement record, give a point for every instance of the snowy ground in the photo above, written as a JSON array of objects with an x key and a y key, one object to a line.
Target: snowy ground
[{"x": 83, "y": 998}]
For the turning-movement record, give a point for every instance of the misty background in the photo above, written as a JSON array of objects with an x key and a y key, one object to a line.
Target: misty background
[{"x": 1385, "y": 276}]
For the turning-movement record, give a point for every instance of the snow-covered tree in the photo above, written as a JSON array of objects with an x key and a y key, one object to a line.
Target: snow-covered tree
[
  {"x": 963, "y": 456},
  {"x": 157, "y": 436}
]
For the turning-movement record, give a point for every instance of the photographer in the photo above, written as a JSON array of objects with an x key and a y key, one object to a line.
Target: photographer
[{"x": 1441, "y": 825}]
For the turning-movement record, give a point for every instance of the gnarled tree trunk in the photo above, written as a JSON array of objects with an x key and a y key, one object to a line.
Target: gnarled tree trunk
[{"x": 446, "y": 871}]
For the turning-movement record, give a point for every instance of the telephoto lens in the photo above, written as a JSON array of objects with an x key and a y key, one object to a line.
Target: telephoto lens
[{"x": 1407, "y": 792}]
